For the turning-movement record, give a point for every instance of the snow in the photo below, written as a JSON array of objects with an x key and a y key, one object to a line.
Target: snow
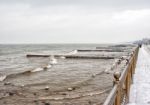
[{"x": 140, "y": 89}]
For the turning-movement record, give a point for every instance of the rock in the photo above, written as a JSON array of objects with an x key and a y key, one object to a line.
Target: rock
[
  {"x": 7, "y": 83},
  {"x": 35, "y": 101},
  {"x": 22, "y": 85},
  {"x": 47, "y": 103},
  {"x": 119, "y": 61},
  {"x": 70, "y": 89},
  {"x": 34, "y": 94},
  {"x": 46, "y": 88},
  {"x": 90, "y": 102},
  {"x": 127, "y": 61},
  {"x": 73, "y": 88},
  {"x": 64, "y": 93},
  {"x": 122, "y": 58},
  {"x": 11, "y": 93},
  {"x": 44, "y": 68},
  {"x": 20, "y": 93},
  {"x": 4, "y": 102},
  {"x": 93, "y": 75}
]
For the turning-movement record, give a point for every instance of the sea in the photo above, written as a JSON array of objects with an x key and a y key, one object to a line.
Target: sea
[
  {"x": 55, "y": 78},
  {"x": 15, "y": 66}
]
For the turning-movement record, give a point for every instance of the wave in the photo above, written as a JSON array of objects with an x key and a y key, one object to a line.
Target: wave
[
  {"x": 53, "y": 60},
  {"x": 2, "y": 78},
  {"x": 62, "y": 57},
  {"x": 48, "y": 66},
  {"x": 75, "y": 96},
  {"x": 39, "y": 69},
  {"x": 73, "y": 52}
]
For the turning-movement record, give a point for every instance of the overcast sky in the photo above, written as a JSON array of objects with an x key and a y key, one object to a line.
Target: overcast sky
[{"x": 73, "y": 21}]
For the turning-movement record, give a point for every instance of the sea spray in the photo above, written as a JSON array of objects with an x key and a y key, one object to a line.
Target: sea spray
[
  {"x": 2, "y": 78},
  {"x": 48, "y": 66},
  {"x": 53, "y": 60},
  {"x": 73, "y": 52},
  {"x": 62, "y": 57}
]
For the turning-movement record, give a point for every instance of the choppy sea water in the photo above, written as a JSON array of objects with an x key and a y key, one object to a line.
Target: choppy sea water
[
  {"x": 86, "y": 76},
  {"x": 13, "y": 60}
]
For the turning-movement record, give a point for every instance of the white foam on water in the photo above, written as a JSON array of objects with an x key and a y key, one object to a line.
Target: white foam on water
[
  {"x": 62, "y": 57},
  {"x": 37, "y": 69},
  {"x": 53, "y": 60},
  {"x": 48, "y": 66},
  {"x": 116, "y": 61},
  {"x": 73, "y": 52},
  {"x": 124, "y": 57},
  {"x": 2, "y": 78}
]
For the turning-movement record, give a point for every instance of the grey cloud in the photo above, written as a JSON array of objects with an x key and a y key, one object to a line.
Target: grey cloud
[
  {"x": 82, "y": 21},
  {"x": 100, "y": 3}
]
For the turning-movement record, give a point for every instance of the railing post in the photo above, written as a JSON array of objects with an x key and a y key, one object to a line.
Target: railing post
[
  {"x": 128, "y": 82},
  {"x": 127, "y": 86},
  {"x": 132, "y": 69},
  {"x": 118, "y": 95},
  {"x": 134, "y": 62}
]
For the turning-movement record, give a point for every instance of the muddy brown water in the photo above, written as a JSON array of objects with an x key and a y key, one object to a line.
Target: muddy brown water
[{"x": 68, "y": 82}]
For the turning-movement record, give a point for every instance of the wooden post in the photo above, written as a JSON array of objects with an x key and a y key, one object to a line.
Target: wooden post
[
  {"x": 127, "y": 86},
  {"x": 118, "y": 95},
  {"x": 132, "y": 70},
  {"x": 133, "y": 64}
]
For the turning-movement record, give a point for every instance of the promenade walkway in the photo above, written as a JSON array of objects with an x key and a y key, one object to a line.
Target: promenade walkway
[{"x": 140, "y": 89}]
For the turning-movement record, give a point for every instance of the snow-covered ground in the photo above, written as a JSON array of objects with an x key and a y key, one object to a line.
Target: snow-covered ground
[{"x": 140, "y": 89}]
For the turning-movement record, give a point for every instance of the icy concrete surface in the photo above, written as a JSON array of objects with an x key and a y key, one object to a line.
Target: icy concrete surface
[{"x": 140, "y": 89}]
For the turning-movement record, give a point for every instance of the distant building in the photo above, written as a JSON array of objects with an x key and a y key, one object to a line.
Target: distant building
[{"x": 145, "y": 41}]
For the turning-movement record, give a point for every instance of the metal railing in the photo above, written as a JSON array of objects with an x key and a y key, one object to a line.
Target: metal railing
[{"x": 122, "y": 82}]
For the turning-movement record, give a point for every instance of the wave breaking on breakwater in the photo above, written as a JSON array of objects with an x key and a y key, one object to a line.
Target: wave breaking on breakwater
[
  {"x": 53, "y": 60},
  {"x": 73, "y": 52}
]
